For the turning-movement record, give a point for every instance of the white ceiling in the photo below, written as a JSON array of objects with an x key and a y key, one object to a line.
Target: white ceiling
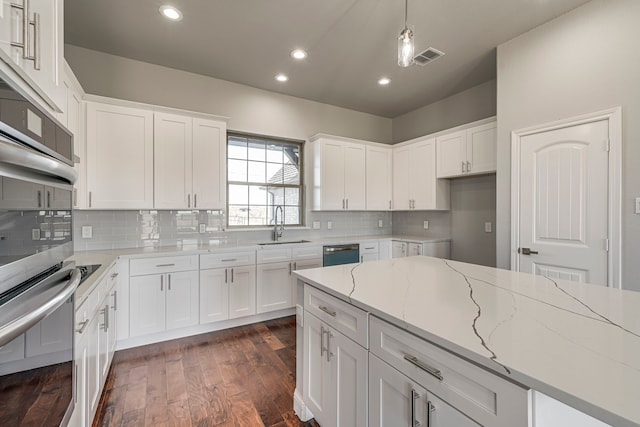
[{"x": 351, "y": 43}]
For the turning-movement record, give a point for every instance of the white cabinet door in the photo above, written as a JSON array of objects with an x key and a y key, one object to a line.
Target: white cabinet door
[
  {"x": 103, "y": 341},
  {"x": 93, "y": 367},
  {"x": 209, "y": 164},
  {"x": 330, "y": 182},
  {"x": 112, "y": 304},
  {"x": 242, "y": 291},
  {"x": 355, "y": 177},
  {"x": 45, "y": 43},
  {"x": 316, "y": 371},
  {"x": 398, "y": 249},
  {"x": 414, "y": 249},
  {"x": 385, "y": 250},
  {"x": 451, "y": 154},
  {"x": 349, "y": 370},
  {"x": 119, "y": 157},
  {"x": 214, "y": 295},
  {"x": 274, "y": 286},
  {"x": 147, "y": 304},
  {"x": 379, "y": 178},
  {"x": 443, "y": 415},
  {"x": 182, "y": 294},
  {"x": 368, "y": 257},
  {"x": 80, "y": 417},
  {"x": 481, "y": 149},
  {"x": 394, "y": 399},
  {"x": 401, "y": 160},
  {"x": 422, "y": 179},
  {"x": 13, "y": 350},
  {"x": 172, "y": 156}
]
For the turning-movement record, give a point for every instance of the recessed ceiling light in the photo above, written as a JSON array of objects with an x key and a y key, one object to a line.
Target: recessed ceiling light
[
  {"x": 298, "y": 54},
  {"x": 171, "y": 13},
  {"x": 281, "y": 78},
  {"x": 384, "y": 81}
]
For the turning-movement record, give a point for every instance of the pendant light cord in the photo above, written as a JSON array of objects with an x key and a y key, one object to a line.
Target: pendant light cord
[{"x": 406, "y": 7}]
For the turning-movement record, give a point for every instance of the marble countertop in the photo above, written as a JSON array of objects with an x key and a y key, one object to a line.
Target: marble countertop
[
  {"x": 579, "y": 344},
  {"x": 107, "y": 257}
]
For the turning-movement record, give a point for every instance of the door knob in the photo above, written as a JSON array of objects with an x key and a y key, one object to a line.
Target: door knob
[{"x": 527, "y": 251}]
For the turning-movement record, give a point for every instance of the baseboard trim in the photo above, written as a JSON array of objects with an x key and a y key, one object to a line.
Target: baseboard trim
[{"x": 300, "y": 408}]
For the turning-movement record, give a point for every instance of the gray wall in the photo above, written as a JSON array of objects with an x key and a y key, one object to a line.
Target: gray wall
[
  {"x": 473, "y": 104},
  {"x": 473, "y": 202},
  {"x": 581, "y": 62},
  {"x": 412, "y": 223},
  {"x": 249, "y": 109}
]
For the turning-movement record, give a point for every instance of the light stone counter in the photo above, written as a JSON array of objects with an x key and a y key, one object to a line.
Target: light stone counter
[{"x": 579, "y": 344}]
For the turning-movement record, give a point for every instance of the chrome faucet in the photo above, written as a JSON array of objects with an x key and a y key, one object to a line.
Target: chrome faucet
[{"x": 278, "y": 228}]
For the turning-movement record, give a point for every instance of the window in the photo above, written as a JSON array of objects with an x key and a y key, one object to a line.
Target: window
[{"x": 263, "y": 173}]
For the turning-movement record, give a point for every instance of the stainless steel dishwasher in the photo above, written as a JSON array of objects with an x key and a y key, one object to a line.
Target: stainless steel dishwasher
[{"x": 340, "y": 254}]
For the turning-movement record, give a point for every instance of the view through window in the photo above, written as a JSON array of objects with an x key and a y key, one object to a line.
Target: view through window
[{"x": 263, "y": 173}]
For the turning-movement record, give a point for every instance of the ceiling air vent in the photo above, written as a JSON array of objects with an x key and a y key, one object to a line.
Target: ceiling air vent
[{"x": 428, "y": 56}]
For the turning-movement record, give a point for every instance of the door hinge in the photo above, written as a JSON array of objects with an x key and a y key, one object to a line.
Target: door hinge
[{"x": 606, "y": 245}]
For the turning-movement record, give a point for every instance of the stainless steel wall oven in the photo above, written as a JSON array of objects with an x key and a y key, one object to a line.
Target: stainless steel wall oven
[{"x": 36, "y": 286}]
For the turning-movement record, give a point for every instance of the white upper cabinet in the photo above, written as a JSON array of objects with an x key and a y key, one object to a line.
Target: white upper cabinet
[
  {"x": 467, "y": 152},
  {"x": 35, "y": 51},
  {"x": 189, "y": 162},
  {"x": 119, "y": 157},
  {"x": 339, "y": 175},
  {"x": 379, "y": 178},
  {"x": 415, "y": 186}
]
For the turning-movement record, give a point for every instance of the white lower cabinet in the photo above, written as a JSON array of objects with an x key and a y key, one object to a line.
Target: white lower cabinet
[
  {"x": 214, "y": 295},
  {"x": 242, "y": 291},
  {"x": 162, "y": 302},
  {"x": 335, "y": 376},
  {"x": 396, "y": 400},
  {"x": 274, "y": 286}
]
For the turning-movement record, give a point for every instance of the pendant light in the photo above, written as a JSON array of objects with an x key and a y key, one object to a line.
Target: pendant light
[{"x": 405, "y": 42}]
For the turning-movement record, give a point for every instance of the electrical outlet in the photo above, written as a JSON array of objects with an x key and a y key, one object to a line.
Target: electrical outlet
[
  {"x": 35, "y": 234},
  {"x": 316, "y": 225},
  {"x": 202, "y": 228},
  {"x": 487, "y": 227},
  {"x": 380, "y": 223},
  {"x": 329, "y": 225},
  {"x": 425, "y": 225},
  {"x": 87, "y": 232},
  {"x": 638, "y": 205}
]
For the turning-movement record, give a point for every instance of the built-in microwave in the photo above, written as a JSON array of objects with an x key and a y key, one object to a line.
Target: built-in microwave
[{"x": 36, "y": 285}]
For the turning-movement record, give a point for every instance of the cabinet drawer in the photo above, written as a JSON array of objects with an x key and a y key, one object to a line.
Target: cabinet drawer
[
  {"x": 227, "y": 259},
  {"x": 349, "y": 320},
  {"x": 306, "y": 252},
  {"x": 273, "y": 255},
  {"x": 163, "y": 265},
  {"x": 476, "y": 392},
  {"x": 368, "y": 248}
]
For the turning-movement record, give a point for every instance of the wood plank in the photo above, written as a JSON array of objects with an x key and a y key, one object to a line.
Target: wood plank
[
  {"x": 176, "y": 383},
  {"x": 178, "y": 414}
]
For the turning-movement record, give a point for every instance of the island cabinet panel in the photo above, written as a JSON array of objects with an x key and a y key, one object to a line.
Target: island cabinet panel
[
  {"x": 335, "y": 375},
  {"x": 473, "y": 391}
]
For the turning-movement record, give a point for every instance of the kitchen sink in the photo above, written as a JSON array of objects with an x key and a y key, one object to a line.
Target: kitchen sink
[{"x": 284, "y": 242}]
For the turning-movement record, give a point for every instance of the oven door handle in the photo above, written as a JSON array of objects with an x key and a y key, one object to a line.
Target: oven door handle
[{"x": 21, "y": 313}]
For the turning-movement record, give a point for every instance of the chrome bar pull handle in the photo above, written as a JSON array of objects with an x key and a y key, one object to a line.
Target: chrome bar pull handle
[
  {"x": 115, "y": 300},
  {"x": 327, "y": 310},
  {"x": 295, "y": 265},
  {"x": 232, "y": 275},
  {"x": 169, "y": 280},
  {"x": 468, "y": 166},
  {"x": 161, "y": 283},
  {"x": 36, "y": 41},
  {"x": 322, "y": 340},
  {"x": 39, "y": 198},
  {"x": 290, "y": 269},
  {"x": 347, "y": 204},
  {"x": 414, "y": 396},
  {"x": 89, "y": 198},
  {"x": 48, "y": 198},
  {"x": 430, "y": 408},
  {"x": 188, "y": 200},
  {"x": 226, "y": 275},
  {"x": 165, "y": 265},
  {"x": 195, "y": 200},
  {"x": 421, "y": 365},
  {"x": 462, "y": 167},
  {"x": 83, "y": 326},
  {"x": 329, "y": 354}
]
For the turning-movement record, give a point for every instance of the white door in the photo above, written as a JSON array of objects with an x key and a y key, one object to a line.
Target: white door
[
  {"x": 394, "y": 398},
  {"x": 242, "y": 291},
  {"x": 379, "y": 179},
  {"x": 182, "y": 299},
  {"x": 147, "y": 304},
  {"x": 349, "y": 370},
  {"x": 172, "y": 161},
  {"x": 274, "y": 286},
  {"x": 401, "y": 179},
  {"x": 422, "y": 179},
  {"x": 355, "y": 177},
  {"x": 214, "y": 295},
  {"x": 563, "y": 203},
  {"x": 209, "y": 164}
]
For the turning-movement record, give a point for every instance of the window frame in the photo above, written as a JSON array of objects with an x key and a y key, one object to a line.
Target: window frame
[{"x": 301, "y": 186}]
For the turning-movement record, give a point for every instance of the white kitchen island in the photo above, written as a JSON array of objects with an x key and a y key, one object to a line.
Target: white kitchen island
[{"x": 578, "y": 344}]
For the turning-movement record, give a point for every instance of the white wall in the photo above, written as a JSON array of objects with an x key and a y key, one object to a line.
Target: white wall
[
  {"x": 473, "y": 104},
  {"x": 581, "y": 62},
  {"x": 249, "y": 109}
]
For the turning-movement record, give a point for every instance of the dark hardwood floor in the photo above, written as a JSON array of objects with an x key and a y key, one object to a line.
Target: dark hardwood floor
[{"x": 243, "y": 376}]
